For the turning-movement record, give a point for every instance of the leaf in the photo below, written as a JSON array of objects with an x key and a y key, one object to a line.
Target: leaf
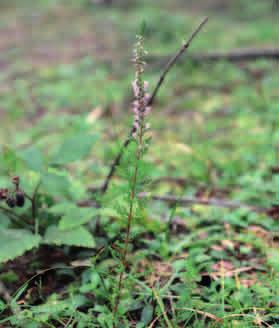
[
  {"x": 9, "y": 159},
  {"x": 55, "y": 184},
  {"x": 72, "y": 215},
  {"x": 76, "y": 217},
  {"x": 2, "y": 306},
  {"x": 146, "y": 314},
  {"x": 61, "y": 208},
  {"x": 74, "y": 149},
  {"x": 94, "y": 115},
  {"x": 4, "y": 221},
  {"x": 14, "y": 243},
  {"x": 73, "y": 237},
  {"x": 32, "y": 158}
]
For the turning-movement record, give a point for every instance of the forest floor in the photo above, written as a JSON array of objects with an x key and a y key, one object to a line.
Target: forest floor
[{"x": 214, "y": 135}]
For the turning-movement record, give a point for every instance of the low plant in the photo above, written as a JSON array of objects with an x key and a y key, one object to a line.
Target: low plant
[
  {"x": 54, "y": 214},
  {"x": 115, "y": 255}
]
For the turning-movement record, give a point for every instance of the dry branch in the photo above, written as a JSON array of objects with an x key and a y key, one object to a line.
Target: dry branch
[
  {"x": 186, "y": 201},
  {"x": 167, "y": 68},
  {"x": 234, "y": 55}
]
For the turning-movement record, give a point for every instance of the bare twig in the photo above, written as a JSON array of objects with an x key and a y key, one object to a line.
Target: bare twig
[
  {"x": 174, "y": 59},
  {"x": 179, "y": 181},
  {"x": 172, "y": 180},
  {"x": 187, "y": 201},
  {"x": 167, "y": 68},
  {"x": 203, "y": 201},
  {"x": 234, "y": 55}
]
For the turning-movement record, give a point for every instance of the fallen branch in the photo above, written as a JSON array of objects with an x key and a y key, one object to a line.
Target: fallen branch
[
  {"x": 167, "y": 68},
  {"x": 234, "y": 55},
  {"x": 202, "y": 201},
  {"x": 188, "y": 201},
  {"x": 171, "y": 180},
  {"x": 179, "y": 181}
]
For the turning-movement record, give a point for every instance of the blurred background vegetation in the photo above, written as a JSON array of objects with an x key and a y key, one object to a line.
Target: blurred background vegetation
[
  {"x": 66, "y": 58},
  {"x": 215, "y": 124}
]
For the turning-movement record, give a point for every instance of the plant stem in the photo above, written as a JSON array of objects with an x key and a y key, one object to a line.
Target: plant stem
[
  {"x": 133, "y": 196},
  {"x": 32, "y": 200}
]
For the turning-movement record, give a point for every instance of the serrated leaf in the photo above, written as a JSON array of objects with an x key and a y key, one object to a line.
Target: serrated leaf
[
  {"x": 76, "y": 217},
  {"x": 72, "y": 215},
  {"x": 14, "y": 243},
  {"x": 61, "y": 208},
  {"x": 74, "y": 149},
  {"x": 79, "y": 236}
]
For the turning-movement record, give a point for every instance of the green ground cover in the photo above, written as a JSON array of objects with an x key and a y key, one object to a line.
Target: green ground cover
[{"x": 65, "y": 99}]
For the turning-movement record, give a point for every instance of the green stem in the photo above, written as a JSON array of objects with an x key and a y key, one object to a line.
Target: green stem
[
  {"x": 129, "y": 225},
  {"x": 35, "y": 218}
]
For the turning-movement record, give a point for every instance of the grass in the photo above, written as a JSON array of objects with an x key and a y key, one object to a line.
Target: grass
[{"x": 214, "y": 125}]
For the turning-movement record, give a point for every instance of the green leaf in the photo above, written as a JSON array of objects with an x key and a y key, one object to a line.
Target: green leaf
[
  {"x": 9, "y": 159},
  {"x": 61, "y": 208},
  {"x": 79, "y": 236},
  {"x": 55, "y": 184},
  {"x": 2, "y": 306},
  {"x": 76, "y": 217},
  {"x": 146, "y": 314},
  {"x": 4, "y": 221},
  {"x": 14, "y": 243},
  {"x": 74, "y": 149},
  {"x": 72, "y": 215},
  {"x": 32, "y": 158}
]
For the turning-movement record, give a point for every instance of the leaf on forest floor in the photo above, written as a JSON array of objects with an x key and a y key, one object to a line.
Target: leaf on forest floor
[
  {"x": 14, "y": 243},
  {"x": 78, "y": 236},
  {"x": 94, "y": 115}
]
